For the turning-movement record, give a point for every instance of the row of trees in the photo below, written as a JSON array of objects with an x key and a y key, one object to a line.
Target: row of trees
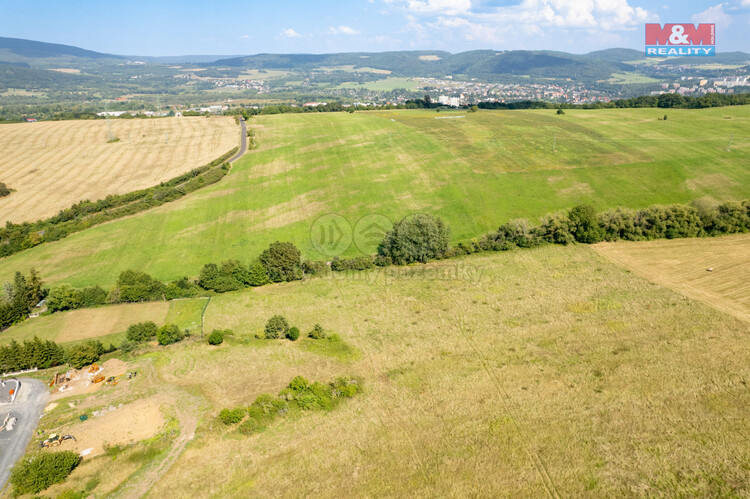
[
  {"x": 30, "y": 354},
  {"x": 666, "y": 100},
  {"x": 583, "y": 224},
  {"x": 415, "y": 239},
  {"x": 420, "y": 238},
  {"x": 19, "y": 297},
  {"x": 45, "y": 354},
  {"x": 280, "y": 262},
  {"x": 85, "y": 214}
]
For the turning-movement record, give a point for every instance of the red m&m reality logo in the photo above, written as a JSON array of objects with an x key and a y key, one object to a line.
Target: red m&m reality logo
[{"x": 680, "y": 40}]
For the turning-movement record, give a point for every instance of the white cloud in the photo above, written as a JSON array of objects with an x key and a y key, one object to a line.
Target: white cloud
[
  {"x": 290, "y": 33},
  {"x": 607, "y": 15},
  {"x": 714, "y": 15},
  {"x": 450, "y": 7},
  {"x": 342, "y": 30}
]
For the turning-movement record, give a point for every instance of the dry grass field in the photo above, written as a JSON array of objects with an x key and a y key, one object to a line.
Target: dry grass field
[
  {"x": 545, "y": 372},
  {"x": 683, "y": 265},
  {"x": 53, "y": 165}
]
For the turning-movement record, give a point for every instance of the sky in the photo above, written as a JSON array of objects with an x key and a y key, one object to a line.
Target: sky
[{"x": 230, "y": 27}]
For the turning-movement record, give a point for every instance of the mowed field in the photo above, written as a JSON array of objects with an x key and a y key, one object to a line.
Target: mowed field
[
  {"x": 544, "y": 372},
  {"x": 55, "y": 164},
  {"x": 476, "y": 172},
  {"x": 715, "y": 270},
  {"x": 107, "y": 324}
]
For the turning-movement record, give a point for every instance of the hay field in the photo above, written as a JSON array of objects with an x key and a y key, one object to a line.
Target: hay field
[
  {"x": 476, "y": 173},
  {"x": 106, "y": 323},
  {"x": 55, "y": 164},
  {"x": 544, "y": 372},
  {"x": 682, "y": 265}
]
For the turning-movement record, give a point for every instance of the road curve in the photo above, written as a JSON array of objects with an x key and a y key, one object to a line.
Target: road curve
[
  {"x": 28, "y": 407},
  {"x": 243, "y": 142}
]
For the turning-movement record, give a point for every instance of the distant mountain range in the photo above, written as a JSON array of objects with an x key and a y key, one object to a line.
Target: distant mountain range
[{"x": 545, "y": 64}]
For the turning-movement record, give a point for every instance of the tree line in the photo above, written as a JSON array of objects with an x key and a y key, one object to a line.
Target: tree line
[
  {"x": 19, "y": 298},
  {"x": 664, "y": 101},
  {"x": 415, "y": 239},
  {"x": 84, "y": 214}
]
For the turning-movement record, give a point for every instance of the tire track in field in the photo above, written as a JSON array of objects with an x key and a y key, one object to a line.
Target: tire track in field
[{"x": 510, "y": 405}]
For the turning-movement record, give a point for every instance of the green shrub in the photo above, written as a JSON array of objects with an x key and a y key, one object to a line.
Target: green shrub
[
  {"x": 36, "y": 473},
  {"x": 169, "y": 334},
  {"x": 137, "y": 286},
  {"x": 298, "y": 384},
  {"x": 63, "y": 297},
  {"x": 85, "y": 353},
  {"x": 417, "y": 238},
  {"x": 216, "y": 337},
  {"x": 127, "y": 346},
  {"x": 317, "y": 333},
  {"x": 346, "y": 387},
  {"x": 293, "y": 333},
  {"x": 266, "y": 407},
  {"x": 276, "y": 327},
  {"x": 142, "y": 331},
  {"x": 231, "y": 416},
  {"x": 257, "y": 274},
  {"x": 584, "y": 224},
  {"x": 4, "y": 190},
  {"x": 282, "y": 261}
]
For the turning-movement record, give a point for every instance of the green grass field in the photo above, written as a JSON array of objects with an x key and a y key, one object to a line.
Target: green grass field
[
  {"x": 544, "y": 372},
  {"x": 476, "y": 172}
]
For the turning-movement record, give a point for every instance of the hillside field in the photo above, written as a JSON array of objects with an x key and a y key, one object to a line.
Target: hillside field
[
  {"x": 544, "y": 372},
  {"x": 475, "y": 170},
  {"x": 107, "y": 324},
  {"x": 54, "y": 164},
  {"x": 713, "y": 270}
]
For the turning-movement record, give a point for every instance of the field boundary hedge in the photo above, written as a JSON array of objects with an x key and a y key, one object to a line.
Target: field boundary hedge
[{"x": 15, "y": 238}]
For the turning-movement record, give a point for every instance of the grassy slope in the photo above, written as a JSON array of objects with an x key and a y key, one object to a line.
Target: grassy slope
[
  {"x": 107, "y": 324},
  {"x": 476, "y": 172},
  {"x": 555, "y": 369}
]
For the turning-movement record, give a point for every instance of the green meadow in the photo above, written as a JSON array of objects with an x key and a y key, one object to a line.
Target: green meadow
[{"x": 475, "y": 170}]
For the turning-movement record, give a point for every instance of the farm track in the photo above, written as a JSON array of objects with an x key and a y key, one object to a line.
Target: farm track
[{"x": 53, "y": 165}]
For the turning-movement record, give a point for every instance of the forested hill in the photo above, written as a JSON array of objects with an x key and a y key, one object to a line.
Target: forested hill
[
  {"x": 33, "y": 53},
  {"x": 436, "y": 63}
]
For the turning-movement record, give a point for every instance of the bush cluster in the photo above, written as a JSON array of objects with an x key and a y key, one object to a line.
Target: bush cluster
[
  {"x": 66, "y": 298},
  {"x": 300, "y": 394},
  {"x": 317, "y": 332},
  {"x": 142, "y": 331},
  {"x": 86, "y": 353},
  {"x": 85, "y": 214},
  {"x": 276, "y": 327},
  {"x": 232, "y": 276},
  {"x": 168, "y": 334},
  {"x": 217, "y": 336},
  {"x": 418, "y": 238},
  {"x": 34, "y": 474}
]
